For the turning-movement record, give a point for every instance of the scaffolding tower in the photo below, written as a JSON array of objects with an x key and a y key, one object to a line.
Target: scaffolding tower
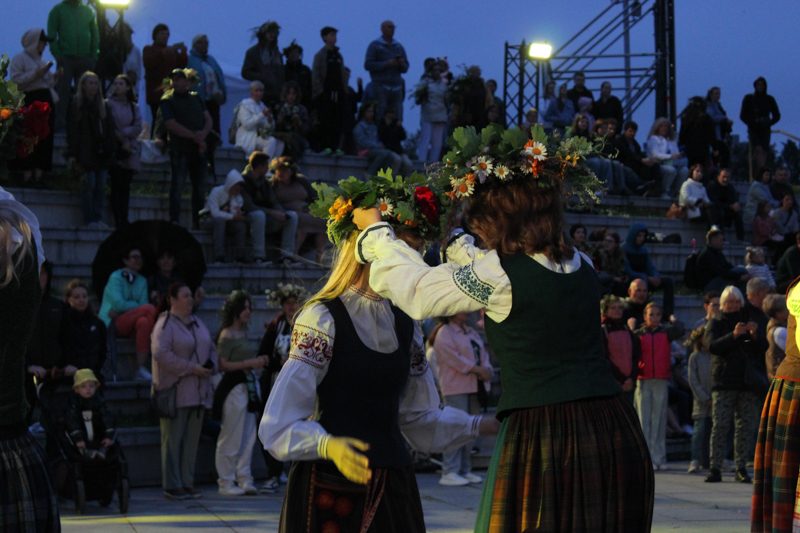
[{"x": 602, "y": 51}]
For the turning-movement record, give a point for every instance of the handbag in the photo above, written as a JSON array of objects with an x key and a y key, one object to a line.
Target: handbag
[{"x": 165, "y": 401}]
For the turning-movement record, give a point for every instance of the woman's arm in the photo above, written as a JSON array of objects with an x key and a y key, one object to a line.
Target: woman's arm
[
  {"x": 428, "y": 426},
  {"x": 286, "y": 430},
  {"x": 432, "y": 291}
]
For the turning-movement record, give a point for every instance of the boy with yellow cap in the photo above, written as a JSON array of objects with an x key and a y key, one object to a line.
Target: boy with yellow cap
[{"x": 87, "y": 420}]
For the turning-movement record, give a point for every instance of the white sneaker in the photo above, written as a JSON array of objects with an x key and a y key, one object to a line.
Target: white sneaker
[
  {"x": 143, "y": 374},
  {"x": 270, "y": 486},
  {"x": 453, "y": 480},
  {"x": 694, "y": 466},
  {"x": 472, "y": 478},
  {"x": 231, "y": 490},
  {"x": 249, "y": 489}
]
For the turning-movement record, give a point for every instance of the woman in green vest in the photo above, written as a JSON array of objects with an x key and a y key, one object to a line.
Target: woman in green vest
[{"x": 570, "y": 455}]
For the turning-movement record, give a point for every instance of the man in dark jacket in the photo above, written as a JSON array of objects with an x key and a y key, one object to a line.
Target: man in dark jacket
[
  {"x": 386, "y": 62},
  {"x": 264, "y": 62},
  {"x": 258, "y": 194},
  {"x": 713, "y": 270},
  {"x": 159, "y": 60},
  {"x": 328, "y": 90},
  {"x": 188, "y": 124},
  {"x": 725, "y": 207},
  {"x": 608, "y": 105},
  {"x": 579, "y": 89},
  {"x": 630, "y": 154},
  {"x": 296, "y": 71},
  {"x": 760, "y": 112}
]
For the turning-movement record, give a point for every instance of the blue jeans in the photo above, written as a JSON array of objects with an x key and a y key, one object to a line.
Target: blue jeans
[
  {"x": 193, "y": 165},
  {"x": 93, "y": 193},
  {"x": 388, "y": 98}
]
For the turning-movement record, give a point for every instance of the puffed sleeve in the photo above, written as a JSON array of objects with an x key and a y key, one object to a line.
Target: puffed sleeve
[
  {"x": 432, "y": 291},
  {"x": 427, "y": 425},
  {"x": 461, "y": 249},
  {"x": 287, "y": 428}
]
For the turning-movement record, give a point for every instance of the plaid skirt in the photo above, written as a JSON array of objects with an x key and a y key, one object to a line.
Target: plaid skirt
[
  {"x": 27, "y": 500},
  {"x": 574, "y": 466},
  {"x": 776, "y": 493}
]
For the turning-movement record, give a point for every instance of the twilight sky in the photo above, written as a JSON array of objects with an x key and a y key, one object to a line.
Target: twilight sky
[{"x": 718, "y": 42}]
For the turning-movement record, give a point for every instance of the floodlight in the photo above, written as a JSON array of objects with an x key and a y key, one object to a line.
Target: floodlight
[
  {"x": 540, "y": 51},
  {"x": 119, "y": 4}
]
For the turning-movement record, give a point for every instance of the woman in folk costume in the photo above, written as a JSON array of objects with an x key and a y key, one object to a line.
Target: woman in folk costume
[
  {"x": 776, "y": 500},
  {"x": 355, "y": 388},
  {"x": 570, "y": 455}
]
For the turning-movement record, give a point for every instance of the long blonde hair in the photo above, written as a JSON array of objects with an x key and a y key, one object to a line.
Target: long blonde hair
[
  {"x": 83, "y": 103},
  {"x": 11, "y": 223},
  {"x": 345, "y": 271}
]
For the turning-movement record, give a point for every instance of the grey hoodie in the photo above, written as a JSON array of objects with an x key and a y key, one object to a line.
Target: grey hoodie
[{"x": 24, "y": 65}]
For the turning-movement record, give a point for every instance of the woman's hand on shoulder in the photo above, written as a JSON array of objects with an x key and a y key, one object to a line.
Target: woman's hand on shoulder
[{"x": 363, "y": 218}]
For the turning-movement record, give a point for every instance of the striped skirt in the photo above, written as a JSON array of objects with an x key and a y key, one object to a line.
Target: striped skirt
[
  {"x": 575, "y": 466},
  {"x": 776, "y": 493},
  {"x": 27, "y": 500}
]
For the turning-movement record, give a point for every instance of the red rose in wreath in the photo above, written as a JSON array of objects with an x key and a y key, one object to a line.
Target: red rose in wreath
[{"x": 426, "y": 201}]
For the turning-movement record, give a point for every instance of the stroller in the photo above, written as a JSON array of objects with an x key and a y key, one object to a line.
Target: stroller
[{"x": 82, "y": 475}]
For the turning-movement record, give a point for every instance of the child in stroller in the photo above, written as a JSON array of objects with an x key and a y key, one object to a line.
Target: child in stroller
[{"x": 97, "y": 461}]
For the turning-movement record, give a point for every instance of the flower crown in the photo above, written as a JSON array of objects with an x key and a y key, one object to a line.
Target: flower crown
[
  {"x": 285, "y": 291},
  {"x": 404, "y": 202},
  {"x": 497, "y": 156}
]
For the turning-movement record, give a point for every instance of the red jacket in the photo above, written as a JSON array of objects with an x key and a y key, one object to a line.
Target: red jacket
[{"x": 656, "y": 361}]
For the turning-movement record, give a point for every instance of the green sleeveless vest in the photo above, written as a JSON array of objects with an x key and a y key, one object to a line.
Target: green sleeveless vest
[{"x": 550, "y": 346}]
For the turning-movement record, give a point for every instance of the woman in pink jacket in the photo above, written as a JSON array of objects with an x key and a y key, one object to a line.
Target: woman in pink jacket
[{"x": 464, "y": 373}]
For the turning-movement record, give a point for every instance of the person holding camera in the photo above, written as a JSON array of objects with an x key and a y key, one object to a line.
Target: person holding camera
[
  {"x": 34, "y": 76},
  {"x": 737, "y": 355},
  {"x": 184, "y": 357}
]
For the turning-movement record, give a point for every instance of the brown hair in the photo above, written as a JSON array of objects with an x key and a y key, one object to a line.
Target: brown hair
[
  {"x": 72, "y": 285},
  {"x": 521, "y": 216}
]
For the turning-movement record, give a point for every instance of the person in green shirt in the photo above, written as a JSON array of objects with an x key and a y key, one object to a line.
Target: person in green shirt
[{"x": 72, "y": 27}]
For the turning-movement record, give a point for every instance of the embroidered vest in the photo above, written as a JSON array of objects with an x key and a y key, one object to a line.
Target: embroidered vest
[{"x": 360, "y": 395}]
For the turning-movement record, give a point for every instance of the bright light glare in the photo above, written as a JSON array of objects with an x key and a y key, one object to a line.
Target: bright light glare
[
  {"x": 540, "y": 51},
  {"x": 115, "y": 3}
]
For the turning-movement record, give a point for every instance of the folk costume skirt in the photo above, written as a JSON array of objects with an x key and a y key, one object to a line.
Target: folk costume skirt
[
  {"x": 580, "y": 466},
  {"x": 776, "y": 493},
  {"x": 319, "y": 499},
  {"x": 27, "y": 500}
]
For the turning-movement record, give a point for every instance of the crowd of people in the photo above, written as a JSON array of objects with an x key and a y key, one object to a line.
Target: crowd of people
[
  {"x": 652, "y": 376},
  {"x": 293, "y": 107}
]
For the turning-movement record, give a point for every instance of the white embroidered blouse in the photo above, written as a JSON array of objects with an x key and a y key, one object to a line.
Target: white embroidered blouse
[
  {"x": 470, "y": 280},
  {"x": 289, "y": 430}
]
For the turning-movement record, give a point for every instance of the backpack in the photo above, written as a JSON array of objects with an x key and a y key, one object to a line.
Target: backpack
[
  {"x": 234, "y": 127},
  {"x": 690, "y": 275}
]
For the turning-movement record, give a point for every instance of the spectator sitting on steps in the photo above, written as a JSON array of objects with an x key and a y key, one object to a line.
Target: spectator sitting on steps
[
  {"x": 725, "y": 207},
  {"x": 638, "y": 298},
  {"x": 259, "y": 194},
  {"x": 225, "y": 204},
  {"x": 714, "y": 271}
]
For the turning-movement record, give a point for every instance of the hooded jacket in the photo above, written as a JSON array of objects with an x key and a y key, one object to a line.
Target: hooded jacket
[
  {"x": 220, "y": 203},
  {"x": 637, "y": 258},
  {"x": 623, "y": 349},
  {"x": 759, "y": 110},
  {"x": 24, "y": 65}
]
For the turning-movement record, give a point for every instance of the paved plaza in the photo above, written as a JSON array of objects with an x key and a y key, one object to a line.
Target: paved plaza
[{"x": 683, "y": 502}]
